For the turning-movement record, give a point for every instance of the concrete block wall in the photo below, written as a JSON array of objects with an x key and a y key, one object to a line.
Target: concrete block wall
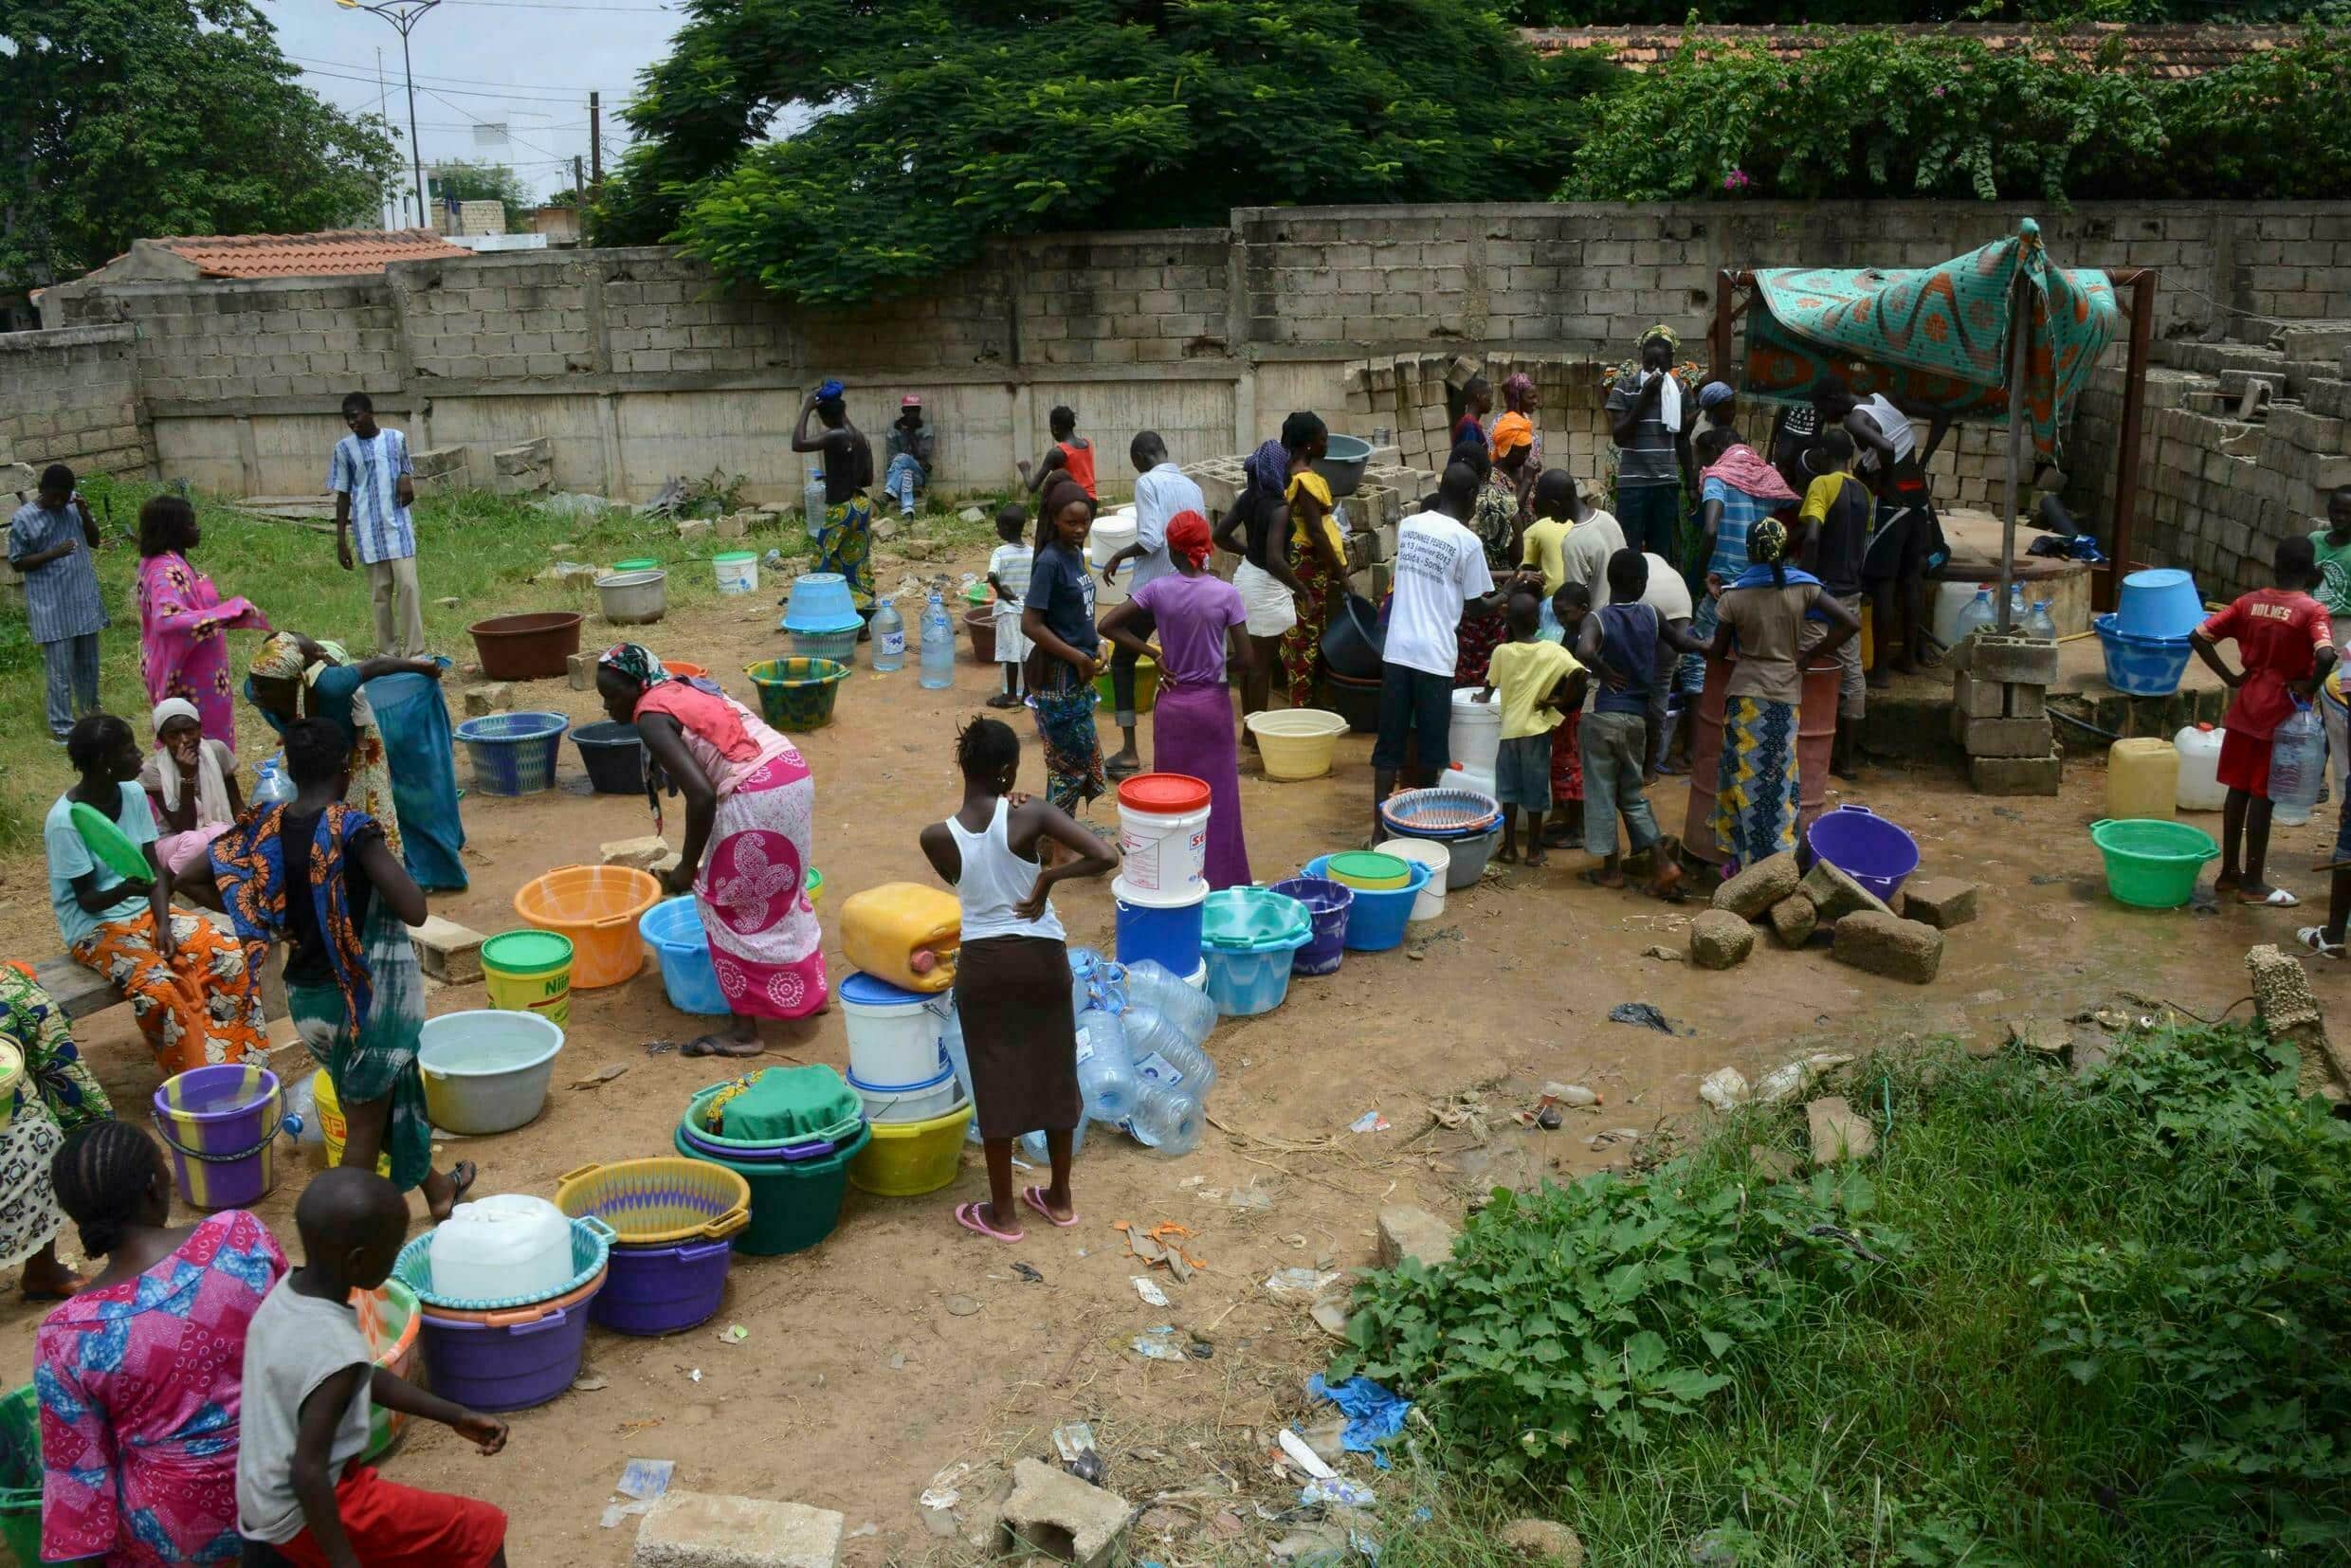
[
  {"x": 224, "y": 340},
  {"x": 71, "y": 395},
  {"x": 1124, "y": 298},
  {"x": 499, "y": 321}
]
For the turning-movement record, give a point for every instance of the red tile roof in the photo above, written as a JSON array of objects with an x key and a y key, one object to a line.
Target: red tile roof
[
  {"x": 2174, "y": 52},
  {"x": 335, "y": 251}
]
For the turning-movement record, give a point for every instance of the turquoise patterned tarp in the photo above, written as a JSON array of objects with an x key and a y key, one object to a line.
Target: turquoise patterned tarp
[{"x": 1935, "y": 340}]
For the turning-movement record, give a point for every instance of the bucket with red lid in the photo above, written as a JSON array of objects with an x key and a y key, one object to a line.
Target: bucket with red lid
[{"x": 1163, "y": 839}]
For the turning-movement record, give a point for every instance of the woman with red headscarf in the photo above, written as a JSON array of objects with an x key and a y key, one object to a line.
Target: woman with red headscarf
[{"x": 1192, "y": 728}]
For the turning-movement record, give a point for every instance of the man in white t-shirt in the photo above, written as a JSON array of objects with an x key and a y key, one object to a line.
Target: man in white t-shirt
[
  {"x": 1161, "y": 490},
  {"x": 1440, "y": 574}
]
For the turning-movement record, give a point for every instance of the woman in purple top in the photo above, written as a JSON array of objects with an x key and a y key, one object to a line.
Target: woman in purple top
[{"x": 1191, "y": 722}]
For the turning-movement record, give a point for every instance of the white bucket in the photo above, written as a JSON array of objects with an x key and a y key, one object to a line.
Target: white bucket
[
  {"x": 1942, "y": 616},
  {"x": 1164, "y": 859},
  {"x": 1475, "y": 739},
  {"x": 1429, "y": 904},
  {"x": 892, "y": 1043},
  {"x": 738, "y": 571},
  {"x": 1197, "y": 979},
  {"x": 935, "y": 1094},
  {"x": 1110, "y": 533}
]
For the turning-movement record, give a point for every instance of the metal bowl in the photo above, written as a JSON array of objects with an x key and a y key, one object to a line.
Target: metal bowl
[{"x": 1341, "y": 467}]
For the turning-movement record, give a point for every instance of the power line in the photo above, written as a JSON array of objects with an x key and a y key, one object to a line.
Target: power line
[
  {"x": 563, "y": 4},
  {"x": 510, "y": 136},
  {"x": 462, "y": 80},
  {"x": 510, "y": 95}
]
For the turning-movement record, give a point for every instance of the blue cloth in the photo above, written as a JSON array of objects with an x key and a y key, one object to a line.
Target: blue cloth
[
  {"x": 904, "y": 478},
  {"x": 61, "y": 599},
  {"x": 1760, "y": 576},
  {"x": 1374, "y": 1415},
  {"x": 413, "y": 722},
  {"x": 1628, "y": 646},
  {"x": 369, "y": 472},
  {"x": 69, "y": 857}
]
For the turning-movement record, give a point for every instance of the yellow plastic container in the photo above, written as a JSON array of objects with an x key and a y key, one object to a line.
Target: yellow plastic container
[
  {"x": 332, "y": 1127},
  {"x": 2142, "y": 779},
  {"x": 1296, "y": 742},
  {"x": 1146, "y": 685},
  {"x": 905, "y": 933},
  {"x": 909, "y": 1158},
  {"x": 529, "y": 972}
]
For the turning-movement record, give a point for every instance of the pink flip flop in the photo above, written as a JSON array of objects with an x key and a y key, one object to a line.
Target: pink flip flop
[
  {"x": 967, "y": 1215},
  {"x": 1034, "y": 1197}
]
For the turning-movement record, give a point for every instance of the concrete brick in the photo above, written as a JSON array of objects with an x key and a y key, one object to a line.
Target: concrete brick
[
  {"x": 1794, "y": 920},
  {"x": 1940, "y": 902},
  {"x": 1406, "y": 1232},
  {"x": 1720, "y": 940},
  {"x": 648, "y": 852},
  {"x": 2009, "y": 660},
  {"x": 2005, "y": 737},
  {"x": 2026, "y": 702},
  {"x": 494, "y": 696},
  {"x": 1053, "y": 1511},
  {"x": 1834, "y": 895},
  {"x": 1886, "y": 944},
  {"x": 1974, "y": 698},
  {"x": 704, "y": 1530},
  {"x": 1754, "y": 891},
  {"x": 581, "y": 670},
  {"x": 447, "y": 951}
]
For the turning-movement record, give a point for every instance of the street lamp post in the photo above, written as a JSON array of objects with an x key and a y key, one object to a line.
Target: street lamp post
[{"x": 404, "y": 15}]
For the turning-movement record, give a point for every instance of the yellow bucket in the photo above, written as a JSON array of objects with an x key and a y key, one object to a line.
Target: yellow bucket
[
  {"x": 530, "y": 970},
  {"x": 328, "y": 1105},
  {"x": 909, "y": 1158}
]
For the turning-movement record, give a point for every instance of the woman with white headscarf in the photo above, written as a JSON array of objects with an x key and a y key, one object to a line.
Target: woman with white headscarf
[{"x": 192, "y": 781}]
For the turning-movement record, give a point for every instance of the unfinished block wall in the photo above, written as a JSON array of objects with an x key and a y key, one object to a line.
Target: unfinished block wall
[{"x": 71, "y": 395}]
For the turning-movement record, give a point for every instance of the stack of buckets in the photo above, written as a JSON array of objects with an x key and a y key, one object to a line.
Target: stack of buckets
[
  {"x": 1162, "y": 884},
  {"x": 899, "y": 1067},
  {"x": 798, "y": 1183}
]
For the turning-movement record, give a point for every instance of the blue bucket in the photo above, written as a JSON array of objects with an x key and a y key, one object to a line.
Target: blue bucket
[
  {"x": 1245, "y": 983},
  {"x": 1327, "y": 903},
  {"x": 514, "y": 753},
  {"x": 673, "y": 929},
  {"x": 2161, "y": 603},
  {"x": 1865, "y": 846},
  {"x": 820, "y": 601},
  {"x": 1375, "y": 919},
  {"x": 2142, "y": 667},
  {"x": 1168, "y": 935}
]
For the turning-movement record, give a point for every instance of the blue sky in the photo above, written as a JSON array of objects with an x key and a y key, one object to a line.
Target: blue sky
[{"x": 526, "y": 64}]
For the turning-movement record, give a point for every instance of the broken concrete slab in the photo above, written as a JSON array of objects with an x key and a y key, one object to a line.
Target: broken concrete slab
[
  {"x": 1053, "y": 1511},
  {"x": 1753, "y": 892},
  {"x": 1837, "y": 1133},
  {"x": 449, "y": 951},
  {"x": 706, "y": 1530},
  {"x": 1940, "y": 901},
  {"x": 582, "y": 669},
  {"x": 650, "y": 852},
  {"x": 1889, "y": 945},
  {"x": 1794, "y": 920},
  {"x": 1720, "y": 940},
  {"x": 1834, "y": 895},
  {"x": 1543, "y": 1543},
  {"x": 496, "y": 697},
  {"x": 1407, "y": 1232},
  {"x": 2284, "y": 1002},
  {"x": 695, "y": 528}
]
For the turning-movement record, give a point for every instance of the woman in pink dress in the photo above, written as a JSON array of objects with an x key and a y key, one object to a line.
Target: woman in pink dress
[
  {"x": 183, "y": 622},
  {"x": 750, "y": 830},
  {"x": 139, "y": 1375}
]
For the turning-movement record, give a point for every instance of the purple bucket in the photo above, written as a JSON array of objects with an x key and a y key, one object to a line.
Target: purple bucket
[
  {"x": 222, "y": 1124},
  {"x": 1865, "y": 846},
  {"x": 507, "y": 1361},
  {"x": 700, "y": 1143},
  {"x": 662, "y": 1289},
  {"x": 1327, "y": 903}
]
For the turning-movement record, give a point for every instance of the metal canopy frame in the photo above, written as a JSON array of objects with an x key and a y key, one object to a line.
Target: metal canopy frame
[{"x": 1735, "y": 293}]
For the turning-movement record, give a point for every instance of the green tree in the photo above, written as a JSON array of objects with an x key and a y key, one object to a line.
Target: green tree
[
  {"x": 128, "y": 119},
  {"x": 458, "y": 179},
  {"x": 1784, "y": 13},
  {"x": 926, "y": 126}
]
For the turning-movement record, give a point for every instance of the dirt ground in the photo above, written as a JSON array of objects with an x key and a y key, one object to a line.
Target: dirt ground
[{"x": 905, "y": 1345}]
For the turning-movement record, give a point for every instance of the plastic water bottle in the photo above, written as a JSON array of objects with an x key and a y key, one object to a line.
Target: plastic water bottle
[
  {"x": 1978, "y": 615},
  {"x": 1171, "y": 1059},
  {"x": 2297, "y": 765},
  {"x": 1153, "y": 985},
  {"x": 2040, "y": 625},
  {"x": 937, "y": 644},
  {"x": 1106, "y": 1075},
  {"x": 1166, "y": 1121},
  {"x": 889, "y": 636},
  {"x": 271, "y": 787},
  {"x": 1031, "y": 1146},
  {"x": 812, "y": 501}
]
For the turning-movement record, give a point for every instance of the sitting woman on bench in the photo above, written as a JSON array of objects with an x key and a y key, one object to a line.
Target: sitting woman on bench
[
  {"x": 56, "y": 1097},
  {"x": 191, "y": 782},
  {"x": 188, "y": 987}
]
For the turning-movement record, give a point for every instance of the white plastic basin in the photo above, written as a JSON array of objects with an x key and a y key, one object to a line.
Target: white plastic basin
[{"x": 487, "y": 1071}]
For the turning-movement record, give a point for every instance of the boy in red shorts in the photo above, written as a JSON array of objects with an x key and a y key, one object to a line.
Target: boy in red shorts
[
  {"x": 310, "y": 1380},
  {"x": 2286, "y": 644}
]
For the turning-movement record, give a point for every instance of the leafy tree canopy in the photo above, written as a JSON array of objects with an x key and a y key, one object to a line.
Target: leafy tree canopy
[
  {"x": 1879, "y": 113},
  {"x": 1781, "y": 13},
  {"x": 128, "y": 119},
  {"x": 927, "y": 125}
]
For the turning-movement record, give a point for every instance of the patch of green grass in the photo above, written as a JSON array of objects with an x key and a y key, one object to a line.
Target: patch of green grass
[{"x": 2112, "y": 1327}]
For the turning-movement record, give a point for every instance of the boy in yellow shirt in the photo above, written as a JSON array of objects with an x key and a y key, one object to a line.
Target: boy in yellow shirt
[{"x": 1541, "y": 685}]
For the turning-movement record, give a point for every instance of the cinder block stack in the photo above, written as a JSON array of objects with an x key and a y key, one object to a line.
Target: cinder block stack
[{"x": 1999, "y": 714}]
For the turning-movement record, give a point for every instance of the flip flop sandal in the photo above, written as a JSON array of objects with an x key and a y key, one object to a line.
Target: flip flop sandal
[
  {"x": 2279, "y": 899},
  {"x": 967, "y": 1215},
  {"x": 711, "y": 1044},
  {"x": 2314, "y": 937},
  {"x": 1034, "y": 1197},
  {"x": 1117, "y": 769}
]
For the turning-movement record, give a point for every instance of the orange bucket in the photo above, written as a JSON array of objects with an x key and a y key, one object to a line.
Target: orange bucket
[{"x": 597, "y": 906}]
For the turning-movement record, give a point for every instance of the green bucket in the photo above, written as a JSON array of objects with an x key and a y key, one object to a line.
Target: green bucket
[
  {"x": 20, "y": 1474},
  {"x": 2152, "y": 863},
  {"x": 794, "y": 1203}
]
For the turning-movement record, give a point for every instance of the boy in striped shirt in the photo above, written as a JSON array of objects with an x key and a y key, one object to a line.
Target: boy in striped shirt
[{"x": 374, "y": 485}]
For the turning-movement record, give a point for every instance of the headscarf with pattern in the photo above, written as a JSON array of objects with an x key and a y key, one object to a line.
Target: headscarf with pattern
[
  {"x": 639, "y": 662},
  {"x": 1516, "y": 389},
  {"x": 279, "y": 658}
]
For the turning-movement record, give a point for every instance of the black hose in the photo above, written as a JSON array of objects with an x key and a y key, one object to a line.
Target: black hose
[{"x": 2083, "y": 724}]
